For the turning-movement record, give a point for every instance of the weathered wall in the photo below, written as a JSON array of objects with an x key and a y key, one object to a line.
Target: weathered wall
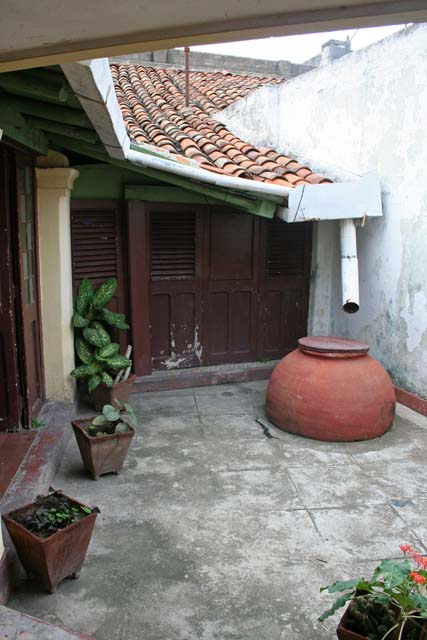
[
  {"x": 366, "y": 111},
  {"x": 204, "y": 61}
]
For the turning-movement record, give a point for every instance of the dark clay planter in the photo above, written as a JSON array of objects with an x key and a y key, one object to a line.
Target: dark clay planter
[
  {"x": 102, "y": 454},
  {"x": 50, "y": 560},
  {"x": 103, "y": 395},
  {"x": 345, "y": 634}
]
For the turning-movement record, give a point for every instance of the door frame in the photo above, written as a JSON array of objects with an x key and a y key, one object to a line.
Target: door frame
[{"x": 14, "y": 157}]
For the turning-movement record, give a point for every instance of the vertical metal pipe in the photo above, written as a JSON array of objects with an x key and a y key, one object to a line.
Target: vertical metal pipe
[
  {"x": 187, "y": 75},
  {"x": 349, "y": 266}
]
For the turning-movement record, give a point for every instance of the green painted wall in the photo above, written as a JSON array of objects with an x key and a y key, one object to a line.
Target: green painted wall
[{"x": 103, "y": 181}]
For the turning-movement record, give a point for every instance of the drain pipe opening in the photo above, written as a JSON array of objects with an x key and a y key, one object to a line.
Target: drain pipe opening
[{"x": 349, "y": 266}]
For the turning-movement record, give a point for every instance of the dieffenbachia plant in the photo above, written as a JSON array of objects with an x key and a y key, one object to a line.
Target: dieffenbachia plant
[{"x": 99, "y": 356}]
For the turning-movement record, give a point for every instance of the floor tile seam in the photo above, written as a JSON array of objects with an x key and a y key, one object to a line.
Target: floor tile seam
[
  {"x": 349, "y": 506},
  {"x": 410, "y": 527}
]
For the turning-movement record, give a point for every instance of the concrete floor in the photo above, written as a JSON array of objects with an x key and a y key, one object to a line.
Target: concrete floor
[{"x": 215, "y": 532}]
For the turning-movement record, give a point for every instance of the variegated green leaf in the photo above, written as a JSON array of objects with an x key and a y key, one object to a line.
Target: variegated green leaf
[
  {"x": 107, "y": 379},
  {"x": 79, "y": 322},
  {"x": 104, "y": 335},
  {"x": 93, "y": 337},
  {"x": 98, "y": 421},
  {"x": 109, "y": 350},
  {"x": 104, "y": 293},
  {"x": 110, "y": 413},
  {"x": 84, "y": 295},
  {"x": 121, "y": 428},
  {"x": 94, "y": 381},
  {"x": 118, "y": 362},
  {"x": 114, "y": 319},
  {"x": 85, "y": 371},
  {"x": 84, "y": 351}
]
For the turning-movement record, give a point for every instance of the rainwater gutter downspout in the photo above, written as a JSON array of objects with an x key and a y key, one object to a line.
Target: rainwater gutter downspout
[{"x": 349, "y": 266}]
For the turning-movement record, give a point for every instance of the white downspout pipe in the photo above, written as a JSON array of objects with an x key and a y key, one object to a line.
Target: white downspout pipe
[{"x": 349, "y": 266}]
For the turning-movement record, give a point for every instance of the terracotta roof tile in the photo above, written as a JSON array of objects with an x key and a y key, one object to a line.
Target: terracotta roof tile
[{"x": 153, "y": 107}]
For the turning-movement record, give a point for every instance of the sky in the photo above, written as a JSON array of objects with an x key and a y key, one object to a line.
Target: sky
[{"x": 298, "y": 48}]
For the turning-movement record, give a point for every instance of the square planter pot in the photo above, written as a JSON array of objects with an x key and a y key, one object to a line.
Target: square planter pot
[
  {"x": 102, "y": 454},
  {"x": 345, "y": 634},
  {"x": 103, "y": 395},
  {"x": 61, "y": 555}
]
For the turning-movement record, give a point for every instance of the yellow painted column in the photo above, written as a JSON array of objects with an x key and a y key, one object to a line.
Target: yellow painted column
[{"x": 53, "y": 196}]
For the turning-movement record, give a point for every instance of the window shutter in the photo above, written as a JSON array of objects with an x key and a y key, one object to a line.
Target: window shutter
[
  {"x": 286, "y": 249},
  {"x": 95, "y": 245},
  {"x": 173, "y": 245}
]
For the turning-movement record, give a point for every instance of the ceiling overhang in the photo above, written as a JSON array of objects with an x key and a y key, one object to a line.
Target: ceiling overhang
[{"x": 36, "y": 35}]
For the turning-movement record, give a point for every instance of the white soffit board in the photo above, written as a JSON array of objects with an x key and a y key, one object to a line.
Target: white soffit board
[{"x": 334, "y": 201}]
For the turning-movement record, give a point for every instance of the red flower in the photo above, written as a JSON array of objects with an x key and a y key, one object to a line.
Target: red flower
[
  {"x": 416, "y": 577},
  {"x": 405, "y": 548}
]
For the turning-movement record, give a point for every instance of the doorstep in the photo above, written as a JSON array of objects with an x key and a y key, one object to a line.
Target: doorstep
[
  {"x": 34, "y": 476},
  {"x": 203, "y": 376},
  {"x": 14, "y": 624}
]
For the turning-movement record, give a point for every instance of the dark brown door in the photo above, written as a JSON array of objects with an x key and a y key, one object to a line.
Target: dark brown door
[
  {"x": 28, "y": 276},
  {"x": 230, "y": 287},
  {"x": 97, "y": 249},
  {"x": 10, "y": 411},
  {"x": 285, "y": 260},
  {"x": 176, "y": 243},
  {"x": 209, "y": 285}
]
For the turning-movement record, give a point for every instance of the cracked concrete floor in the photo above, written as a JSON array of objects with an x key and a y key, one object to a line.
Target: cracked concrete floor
[{"x": 215, "y": 532}]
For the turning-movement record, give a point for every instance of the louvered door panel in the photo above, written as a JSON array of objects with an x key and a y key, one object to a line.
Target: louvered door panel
[
  {"x": 176, "y": 285},
  {"x": 284, "y": 288},
  {"x": 97, "y": 248},
  {"x": 173, "y": 247}
]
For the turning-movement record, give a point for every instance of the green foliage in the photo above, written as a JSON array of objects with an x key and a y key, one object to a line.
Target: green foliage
[
  {"x": 104, "y": 293},
  {"x": 113, "y": 420},
  {"x": 99, "y": 356},
  {"x": 51, "y": 513},
  {"x": 36, "y": 424},
  {"x": 393, "y": 600}
]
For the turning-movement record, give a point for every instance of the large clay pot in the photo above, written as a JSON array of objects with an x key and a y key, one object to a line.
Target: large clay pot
[{"x": 330, "y": 389}]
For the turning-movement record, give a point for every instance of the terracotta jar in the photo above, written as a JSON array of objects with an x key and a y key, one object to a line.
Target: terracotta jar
[{"x": 331, "y": 389}]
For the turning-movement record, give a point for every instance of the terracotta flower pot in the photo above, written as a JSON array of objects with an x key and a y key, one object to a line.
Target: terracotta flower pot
[
  {"x": 330, "y": 389},
  {"x": 51, "y": 559},
  {"x": 103, "y": 395},
  {"x": 102, "y": 454},
  {"x": 345, "y": 634}
]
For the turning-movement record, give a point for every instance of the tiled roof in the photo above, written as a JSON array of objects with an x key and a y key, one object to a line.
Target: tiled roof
[{"x": 153, "y": 108}]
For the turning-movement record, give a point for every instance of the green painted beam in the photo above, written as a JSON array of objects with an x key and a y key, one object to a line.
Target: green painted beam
[
  {"x": 259, "y": 207},
  {"x": 76, "y": 133},
  {"x": 23, "y": 84},
  {"x": 27, "y": 136},
  {"x": 39, "y": 109},
  {"x": 150, "y": 193}
]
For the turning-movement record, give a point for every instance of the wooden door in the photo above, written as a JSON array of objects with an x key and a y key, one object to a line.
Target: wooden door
[
  {"x": 285, "y": 260},
  {"x": 230, "y": 287},
  {"x": 28, "y": 284},
  {"x": 10, "y": 397},
  {"x": 97, "y": 250},
  {"x": 175, "y": 286}
]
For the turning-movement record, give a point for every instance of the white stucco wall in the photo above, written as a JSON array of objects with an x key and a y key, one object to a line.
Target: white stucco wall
[{"x": 366, "y": 111}]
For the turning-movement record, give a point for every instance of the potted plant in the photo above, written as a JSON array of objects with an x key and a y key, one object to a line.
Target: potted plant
[
  {"x": 391, "y": 605},
  {"x": 51, "y": 536},
  {"x": 105, "y": 439},
  {"x": 102, "y": 366}
]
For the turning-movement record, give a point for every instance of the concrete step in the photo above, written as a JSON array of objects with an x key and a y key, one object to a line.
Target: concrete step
[
  {"x": 168, "y": 380},
  {"x": 14, "y": 625}
]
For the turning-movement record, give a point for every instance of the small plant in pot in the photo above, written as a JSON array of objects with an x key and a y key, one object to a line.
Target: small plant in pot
[
  {"x": 101, "y": 365},
  {"x": 104, "y": 440},
  {"x": 391, "y": 605},
  {"x": 51, "y": 536}
]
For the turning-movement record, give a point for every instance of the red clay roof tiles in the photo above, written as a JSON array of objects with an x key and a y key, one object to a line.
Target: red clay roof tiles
[{"x": 152, "y": 102}]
